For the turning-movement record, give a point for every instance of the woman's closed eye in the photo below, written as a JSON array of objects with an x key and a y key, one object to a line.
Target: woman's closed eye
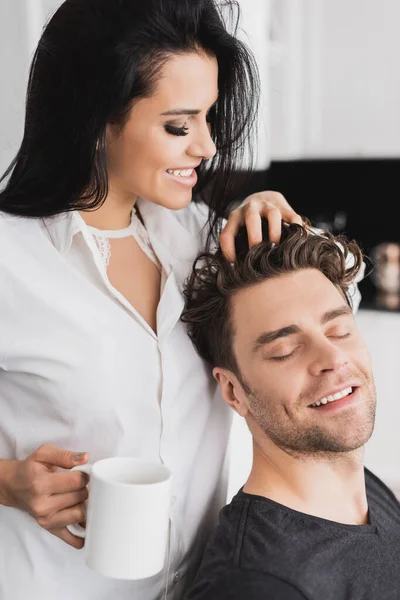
[{"x": 174, "y": 130}]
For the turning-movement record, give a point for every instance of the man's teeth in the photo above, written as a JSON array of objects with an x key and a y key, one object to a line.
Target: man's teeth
[
  {"x": 180, "y": 173},
  {"x": 333, "y": 397}
]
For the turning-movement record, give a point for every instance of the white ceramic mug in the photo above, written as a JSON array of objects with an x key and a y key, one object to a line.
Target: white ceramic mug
[{"x": 127, "y": 525}]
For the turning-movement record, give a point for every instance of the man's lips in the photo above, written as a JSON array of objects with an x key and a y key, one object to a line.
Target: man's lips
[{"x": 337, "y": 403}]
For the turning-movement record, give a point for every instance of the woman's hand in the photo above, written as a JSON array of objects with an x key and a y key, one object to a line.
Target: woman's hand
[
  {"x": 53, "y": 498},
  {"x": 271, "y": 205}
]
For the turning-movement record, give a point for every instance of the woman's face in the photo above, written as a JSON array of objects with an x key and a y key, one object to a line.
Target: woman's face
[{"x": 167, "y": 135}]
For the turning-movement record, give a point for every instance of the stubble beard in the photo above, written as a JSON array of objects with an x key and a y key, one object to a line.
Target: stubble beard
[{"x": 313, "y": 440}]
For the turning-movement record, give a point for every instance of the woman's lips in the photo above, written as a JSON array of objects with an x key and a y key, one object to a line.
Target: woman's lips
[{"x": 187, "y": 181}]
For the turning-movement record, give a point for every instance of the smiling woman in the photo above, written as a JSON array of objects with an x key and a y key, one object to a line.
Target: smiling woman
[
  {"x": 162, "y": 145},
  {"x": 137, "y": 115}
]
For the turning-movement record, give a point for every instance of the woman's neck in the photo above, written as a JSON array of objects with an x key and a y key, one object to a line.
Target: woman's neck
[{"x": 114, "y": 213}]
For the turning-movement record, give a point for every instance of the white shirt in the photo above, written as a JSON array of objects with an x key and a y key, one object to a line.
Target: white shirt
[{"x": 79, "y": 368}]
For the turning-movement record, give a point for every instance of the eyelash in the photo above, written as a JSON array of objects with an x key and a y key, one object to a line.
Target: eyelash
[
  {"x": 176, "y": 130},
  {"x": 180, "y": 131},
  {"x": 280, "y": 358},
  {"x": 285, "y": 356}
]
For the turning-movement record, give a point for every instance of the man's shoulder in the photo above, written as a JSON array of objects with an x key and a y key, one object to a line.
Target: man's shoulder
[
  {"x": 250, "y": 530},
  {"x": 379, "y": 493},
  {"x": 249, "y": 584}
]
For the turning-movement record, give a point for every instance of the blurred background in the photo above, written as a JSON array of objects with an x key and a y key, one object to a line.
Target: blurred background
[{"x": 328, "y": 139}]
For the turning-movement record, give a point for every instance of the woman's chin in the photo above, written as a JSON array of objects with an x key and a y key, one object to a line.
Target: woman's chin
[{"x": 174, "y": 201}]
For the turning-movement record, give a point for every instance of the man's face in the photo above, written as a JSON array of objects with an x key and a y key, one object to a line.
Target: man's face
[{"x": 306, "y": 375}]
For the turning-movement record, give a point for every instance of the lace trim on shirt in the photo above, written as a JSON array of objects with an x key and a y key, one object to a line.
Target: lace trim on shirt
[
  {"x": 137, "y": 230},
  {"x": 142, "y": 237},
  {"x": 104, "y": 247}
]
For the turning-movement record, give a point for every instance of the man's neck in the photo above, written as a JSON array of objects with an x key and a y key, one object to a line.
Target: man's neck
[{"x": 330, "y": 487}]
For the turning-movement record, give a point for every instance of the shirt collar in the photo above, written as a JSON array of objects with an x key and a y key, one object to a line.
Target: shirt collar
[
  {"x": 171, "y": 241},
  {"x": 62, "y": 229}
]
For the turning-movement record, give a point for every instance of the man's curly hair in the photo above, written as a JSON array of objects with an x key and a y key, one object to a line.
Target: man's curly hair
[{"x": 214, "y": 281}]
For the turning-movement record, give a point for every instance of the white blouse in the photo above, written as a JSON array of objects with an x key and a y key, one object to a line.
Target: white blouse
[{"x": 81, "y": 369}]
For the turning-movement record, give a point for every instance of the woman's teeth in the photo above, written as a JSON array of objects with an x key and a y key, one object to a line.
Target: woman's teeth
[
  {"x": 333, "y": 397},
  {"x": 180, "y": 173}
]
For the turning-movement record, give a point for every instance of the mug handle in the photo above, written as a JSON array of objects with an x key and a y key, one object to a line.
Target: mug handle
[{"x": 75, "y": 528}]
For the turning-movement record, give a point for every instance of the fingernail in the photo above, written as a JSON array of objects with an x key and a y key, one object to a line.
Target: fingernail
[
  {"x": 86, "y": 478},
  {"x": 78, "y": 457}
]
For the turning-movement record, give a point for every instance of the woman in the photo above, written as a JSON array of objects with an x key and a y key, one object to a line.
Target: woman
[{"x": 130, "y": 107}]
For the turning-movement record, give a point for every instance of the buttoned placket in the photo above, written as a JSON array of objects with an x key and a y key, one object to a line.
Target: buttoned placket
[
  {"x": 168, "y": 313},
  {"x": 176, "y": 249}
]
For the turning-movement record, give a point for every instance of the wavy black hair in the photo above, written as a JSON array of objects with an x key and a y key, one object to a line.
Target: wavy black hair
[{"x": 93, "y": 60}]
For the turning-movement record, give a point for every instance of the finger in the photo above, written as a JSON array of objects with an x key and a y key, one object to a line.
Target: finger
[
  {"x": 68, "y": 537},
  {"x": 60, "y": 502},
  {"x": 228, "y": 234},
  {"x": 53, "y": 456},
  {"x": 65, "y": 481},
  {"x": 296, "y": 219},
  {"x": 254, "y": 227},
  {"x": 278, "y": 200},
  {"x": 274, "y": 219},
  {"x": 68, "y": 516}
]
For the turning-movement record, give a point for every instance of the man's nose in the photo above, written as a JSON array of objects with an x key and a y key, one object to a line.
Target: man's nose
[{"x": 327, "y": 356}]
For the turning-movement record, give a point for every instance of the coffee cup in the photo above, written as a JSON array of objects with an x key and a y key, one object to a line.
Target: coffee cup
[{"x": 127, "y": 524}]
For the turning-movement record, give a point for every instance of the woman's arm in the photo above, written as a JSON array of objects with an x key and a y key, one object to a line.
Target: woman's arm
[{"x": 6, "y": 468}]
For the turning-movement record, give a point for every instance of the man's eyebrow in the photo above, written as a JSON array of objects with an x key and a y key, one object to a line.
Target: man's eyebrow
[
  {"x": 182, "y": 111},
  {"x": 270, "y": 336},
  {"x": 336, "y": 312}
]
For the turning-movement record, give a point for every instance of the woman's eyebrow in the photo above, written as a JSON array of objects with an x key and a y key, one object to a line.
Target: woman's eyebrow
[
  {"x": 181, "y": 111},
  {"x": 186, "y": 111}
]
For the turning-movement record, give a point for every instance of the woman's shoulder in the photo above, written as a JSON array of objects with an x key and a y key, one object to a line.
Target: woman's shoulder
[
  {"x": 18, "y": 235},
  {"x": 194, "y": 217},
  {"x": 9, "y": 224}
]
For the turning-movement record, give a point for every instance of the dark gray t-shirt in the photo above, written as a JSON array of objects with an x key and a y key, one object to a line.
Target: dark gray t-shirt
[{"x": 263, "y": 550}]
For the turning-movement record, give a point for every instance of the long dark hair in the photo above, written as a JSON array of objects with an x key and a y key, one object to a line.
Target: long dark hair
[{"x": 94, "y": 59}]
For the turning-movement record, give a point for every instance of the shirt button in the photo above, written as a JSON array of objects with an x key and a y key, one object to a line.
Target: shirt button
[
  {"x": 177, "y": 577},
  {"x": 173, "y": 500}
]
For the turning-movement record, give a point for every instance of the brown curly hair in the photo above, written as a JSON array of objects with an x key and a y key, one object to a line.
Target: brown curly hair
[{"x": 214, "y": 281}]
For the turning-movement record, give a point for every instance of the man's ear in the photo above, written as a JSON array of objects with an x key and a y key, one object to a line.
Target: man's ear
[{"x": 231, "y": 390}]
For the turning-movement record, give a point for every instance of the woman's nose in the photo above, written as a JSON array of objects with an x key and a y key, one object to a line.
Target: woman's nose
[{"x": 203, "y": 145}]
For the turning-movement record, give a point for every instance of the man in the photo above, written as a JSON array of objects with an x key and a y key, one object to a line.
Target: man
[{"x": 311, "y": 522}]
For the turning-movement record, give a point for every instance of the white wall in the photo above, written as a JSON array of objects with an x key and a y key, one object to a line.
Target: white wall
[
  {"x": 21, "y": 22},
  {"x": 335, "y": 81},
  {"x": 254, "y": 32}
]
